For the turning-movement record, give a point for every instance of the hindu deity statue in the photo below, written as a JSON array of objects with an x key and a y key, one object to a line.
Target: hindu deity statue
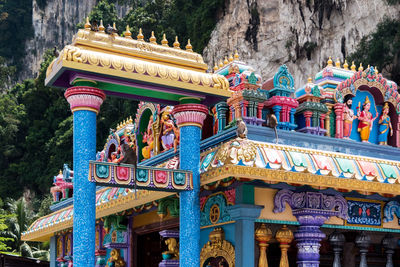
[
  {"x": 384, "y": 126},
  {"x": 148, "y": 138},
  {"x": 169, "y": 130},
  {"x": 365, "y": 120},
  {"x": 115, "y": 259},
  {"x": 348, "y": 117}
]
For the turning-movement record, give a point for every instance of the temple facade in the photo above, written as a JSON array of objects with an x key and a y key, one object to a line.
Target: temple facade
[{"x": 225, "y": 168}]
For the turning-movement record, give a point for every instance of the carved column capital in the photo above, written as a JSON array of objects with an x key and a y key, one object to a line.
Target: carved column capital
[
  {"x": 84, "y": 98},
  {"x": 190, "y": 114}
]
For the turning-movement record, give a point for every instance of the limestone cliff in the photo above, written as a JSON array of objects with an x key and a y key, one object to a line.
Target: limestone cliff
[
  {"x": 299, "y": 33},
  {"x": 54, "y": 25}
]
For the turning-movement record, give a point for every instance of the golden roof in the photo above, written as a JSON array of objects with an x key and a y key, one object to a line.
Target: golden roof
[{"x": 124, "y": 57}]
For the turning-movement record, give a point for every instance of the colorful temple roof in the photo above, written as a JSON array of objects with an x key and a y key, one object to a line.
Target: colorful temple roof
[
  {"x": 130, "y": 63},
  {"x": 272, "y": 163},
  {"x": 108, "y": 201}
]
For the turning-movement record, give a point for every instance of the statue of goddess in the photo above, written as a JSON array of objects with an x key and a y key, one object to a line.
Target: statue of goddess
[{"x": 384, "y": 126}]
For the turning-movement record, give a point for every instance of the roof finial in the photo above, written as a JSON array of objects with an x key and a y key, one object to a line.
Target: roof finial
[
  {"x": 345, "y": 65},
  {"x": 101, "y": 26},
  {"x": 353, "y": 66},
  {"x": 330, "y": 62},
  {"x": 337, "y": 63},
  {"x": 176, "y": 43},
  {"x": 115, "y": 29},
  {"x": 230, "y": 57},
  {"x": 376, "y": 70},
  {"x": 189, "y": 46},
  {"x": 128, "y": 33},
  {"x": 226, "y": 60},
  {"x": 153, "y": 39},
  {"x": 215, "y": 67},
  {"x": 368, "y": 66},
  {"x": 164, "y": 41},
  {"x": 361, "y": 68},
  {"x": 236, "y": 56},
  {"x": 220, "y": 63},
  {"x": 309, "y": 80},
  {"x": 140, "y": 36},
  {"x": 88, "y": 26}
]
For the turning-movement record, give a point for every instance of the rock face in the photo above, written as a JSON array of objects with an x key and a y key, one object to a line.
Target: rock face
[
  {"x": 54, "y": 26},
  {"x": 299, "y": 33}
]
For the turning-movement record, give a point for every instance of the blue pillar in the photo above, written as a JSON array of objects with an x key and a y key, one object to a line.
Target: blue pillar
[
  {"x": 245, "y": 216},
  {"x": 190, "y": 119},
  {"x": 277, "y": 110},
  {"x": 85, "y": 103},
  {"x": 53, "y": 251}
]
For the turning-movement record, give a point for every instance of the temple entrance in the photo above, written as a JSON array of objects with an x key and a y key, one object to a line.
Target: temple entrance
[
  {"x": 149, "y": 244},
  {"x": 149, "y": 249}
]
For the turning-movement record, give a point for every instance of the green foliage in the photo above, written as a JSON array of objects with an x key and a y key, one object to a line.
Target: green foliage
[
  {"x": 3, "y": 227},
  {"x": 26, "y": 250},
  {"x": 22, "y": 217},
  {"x": 45, "y": 204},
  {"x": 103, "y": 11},
  {"x": 15, "y": 29},
  {"x": 381, "y": 48}
]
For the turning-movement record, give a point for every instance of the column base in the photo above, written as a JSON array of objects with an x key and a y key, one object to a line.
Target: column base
[{"x": 308, "y": 264}]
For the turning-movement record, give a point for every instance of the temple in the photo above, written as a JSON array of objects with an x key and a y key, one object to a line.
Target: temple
[{"x": 222, "y": 168}]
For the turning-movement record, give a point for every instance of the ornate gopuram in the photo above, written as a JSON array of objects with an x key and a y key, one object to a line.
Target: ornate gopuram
[{"x": 222, "y": 168}]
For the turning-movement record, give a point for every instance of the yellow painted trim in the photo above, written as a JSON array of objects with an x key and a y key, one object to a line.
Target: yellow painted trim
[
  {"x": 272, "y": 175},
  {"x": 190, "y": 124},
  {"x": 83, "y": 80},
  {"x": 189, "y": 97},
  {"x": 217, "y": 224},
  {"x": 85, "y": 108},
  {"x": 104, "y": 209}
]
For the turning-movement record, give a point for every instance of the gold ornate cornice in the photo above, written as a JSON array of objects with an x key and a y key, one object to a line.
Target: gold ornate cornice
[
  {"x": 138, "y": 48},
  {"x": 121, "y": 66},
  {"x": 271, "y": 175}
]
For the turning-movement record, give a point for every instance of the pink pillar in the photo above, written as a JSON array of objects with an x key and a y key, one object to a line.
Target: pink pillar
[
  {"x": 308, "y": 115},
  {"x": 397, "y": 133},
  {"x": 244, "y": 107},
  {"x": 322, "y": 121},
  {"x": 259, "y": 110},
  {"x": 339, "y": 119}
]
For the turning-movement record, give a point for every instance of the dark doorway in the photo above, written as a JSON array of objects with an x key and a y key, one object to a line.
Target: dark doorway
[{"x": 150, "y": 246}]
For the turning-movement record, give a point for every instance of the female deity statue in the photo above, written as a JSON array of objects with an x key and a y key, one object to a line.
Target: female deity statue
[
  {"x": 168, "y": 130},
  {"x": 148, "y": 138},
  {"x": 365, "y": 120},
  {"x": 384, "y": 126},
  {"x": 348, "y": 117}
]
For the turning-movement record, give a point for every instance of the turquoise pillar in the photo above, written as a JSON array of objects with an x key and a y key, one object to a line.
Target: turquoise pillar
[
  {"x": 53, "y": 251},
  {"x": 189, "y": 118},
  {"x": 244, "y": 216},
  {"x": 85, "y": 104},
  {"x": 222, "y": 108}
]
